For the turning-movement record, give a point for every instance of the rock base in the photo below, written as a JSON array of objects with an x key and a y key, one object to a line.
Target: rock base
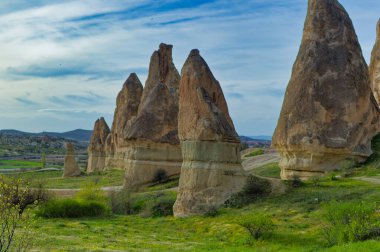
[
  {"x": 211, "y": 173},
  {"x": 146, "y": 158},
  {"x": 306, "y": 165}
]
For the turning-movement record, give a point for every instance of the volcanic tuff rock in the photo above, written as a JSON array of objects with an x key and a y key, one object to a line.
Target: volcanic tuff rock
[
  {"x": 153, "y": 134},
  {"x": 96, "y": 148},
  {"x": 329, "y": 114},
  {"x": 127, "y": 104},
  {"x": 211, "y": 169},
  {"x": 374, "y": 67},
  {"x": 71, "y": 168}
]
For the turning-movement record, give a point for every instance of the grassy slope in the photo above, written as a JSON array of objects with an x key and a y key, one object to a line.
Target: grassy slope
[
  {"x": 296, "y": 215},
  {"x": 19, "y": 164},
  {"x": 53, "y": 179}
]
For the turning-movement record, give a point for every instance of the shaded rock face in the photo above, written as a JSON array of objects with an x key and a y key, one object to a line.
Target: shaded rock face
[
  {"x": 96, "y": 148},
  {"x": 374, "y": 67},
  {"x": 152, "y": 135},
  {"x": 329, "y": 114},
  {"x": 211, "y": 169},
  {"x": 71, "y": 168},
  {"x": 127, "y": 104}
]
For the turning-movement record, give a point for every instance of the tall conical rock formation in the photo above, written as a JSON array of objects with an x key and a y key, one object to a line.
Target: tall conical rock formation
[
  {"x": 127, "y": 104},
  {"x": 211, "y": 169},
  {"x": 71, "y": 168},
  {"x": 329, "y": 114},
  {"x": 374, "y": 67},
  {"x": 153, "y": 134},
  {"x": 96, "y": 148}
]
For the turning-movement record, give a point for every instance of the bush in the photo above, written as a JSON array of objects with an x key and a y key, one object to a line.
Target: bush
[
  {"x": 72, "y": 208},
  {"x": 160, "y": 176},
  {"x": 162, "y": 207},
  {"x": 15, "y": 222},
  {"x": 350, "y": 222},
  {"x": 91, "y": 191},
  {"x": 121, "y": 202},
  {"x": 254, "y": 188},
  {"x": 296, "y": 182},
  {"x": 257, "y": 225},
  {"x": 211, "y": 211}
]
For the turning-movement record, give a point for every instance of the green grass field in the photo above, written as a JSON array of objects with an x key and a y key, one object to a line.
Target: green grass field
[
  {"x": 19, "y": 164},
  {"x": 297, "y": 218},
  {"x": 53, "y": 179}
]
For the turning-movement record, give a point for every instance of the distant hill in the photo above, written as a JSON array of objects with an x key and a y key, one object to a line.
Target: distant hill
[
  {"x": 79, "y": 135},
  {"x": 259, "y": 141}
]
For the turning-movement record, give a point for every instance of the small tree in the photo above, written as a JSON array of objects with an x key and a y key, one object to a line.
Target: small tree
[
  {"x": 15, "y": 232},
  {"x": 43, "y": 160},
  {"x": 257, "y": 225}
]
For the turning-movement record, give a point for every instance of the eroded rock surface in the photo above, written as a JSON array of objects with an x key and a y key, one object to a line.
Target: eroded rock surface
[
  {"x": 97, "y": 146},
  {"x": 127, "y": 104},
  {"x": 374, "y": 67},
  {"x": 71, "y": 168},
  {"x": 329, "y": 114},
  {"x": 211, "y": 169},
  {"x": 153, "y": 134}
]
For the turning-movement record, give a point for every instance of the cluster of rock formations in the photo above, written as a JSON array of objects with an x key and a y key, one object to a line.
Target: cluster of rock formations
[
  {"x": 71, "y": 168},
  {"x": 329, "y": 115},
  {"x": 181, "y": 124}
]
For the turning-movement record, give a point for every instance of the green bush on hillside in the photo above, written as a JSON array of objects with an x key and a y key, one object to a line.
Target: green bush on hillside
[
  {"x": 350, "y": 222},
  {"x": 255, "y": 187},
  {"x": 258, "y": 225},
  {"x": 72, "y": 208}
]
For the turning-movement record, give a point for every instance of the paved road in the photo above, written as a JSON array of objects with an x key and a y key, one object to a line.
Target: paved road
[{"x": 261, "y": 160}]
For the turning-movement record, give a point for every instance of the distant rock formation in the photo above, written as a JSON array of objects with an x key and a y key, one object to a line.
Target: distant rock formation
[
  {"x": 71, "y": 168},
  {"x": 96, "y": 148},
  {"x": 211, "y": 170},
  {"x": 374, "y": 67},
  {"x": 127, "y": 104},
  {"x": 329, "y": 114},
  {"x": 152, "y": 135}
]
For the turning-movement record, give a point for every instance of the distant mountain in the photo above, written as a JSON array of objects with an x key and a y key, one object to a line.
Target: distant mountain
[
  {"x": 256, "y": 141},
  {"x": 268, "y": 138},
  {"x": 79, "y": 135}
]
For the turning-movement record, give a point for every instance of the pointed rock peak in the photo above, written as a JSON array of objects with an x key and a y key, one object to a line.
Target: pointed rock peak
[
  {"x": 162, "y": 70},
  {"x": 203, "y": 108},
  {"x": 101, "y": 123},
  {"x": 194, "y": 52},
  {"x": 133, "y": 81}
]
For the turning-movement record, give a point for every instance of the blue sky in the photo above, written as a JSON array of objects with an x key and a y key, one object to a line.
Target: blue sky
[{"x": 63, "y": 62}]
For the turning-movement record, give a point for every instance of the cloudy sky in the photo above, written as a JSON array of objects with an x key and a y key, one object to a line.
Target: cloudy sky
[{"x": 63, "y": 62}]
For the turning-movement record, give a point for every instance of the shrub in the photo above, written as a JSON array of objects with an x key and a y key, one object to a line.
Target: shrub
[
  {"x": 350, "y": 222},
  {"x": 160, "y": 176},
  {"x": 15, "y": 223},
  {"x": 257, "y": 225},
  {"x": 296, "y": 182},
  {"x": 254, "y": 188},
  {"x": 72, "y": 208},
  {"x": 91, "y": 191},
  {"x": 211, "y": 211},
  {"x": 121, "y": 202},
  {"x": 162, "y": 207}
]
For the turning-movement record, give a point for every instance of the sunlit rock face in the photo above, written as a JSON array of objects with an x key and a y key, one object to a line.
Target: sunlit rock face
[
  {"x": 329, "y": 114},
  {"x": 96, "y": 148},
  {"x": 211, "y": 169},
  {"x": 374, "y": 67},
  {"x": 152, "y": 135},
  {"x": 71, "y": 168},
  {"x": 127, "y": 104}
]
